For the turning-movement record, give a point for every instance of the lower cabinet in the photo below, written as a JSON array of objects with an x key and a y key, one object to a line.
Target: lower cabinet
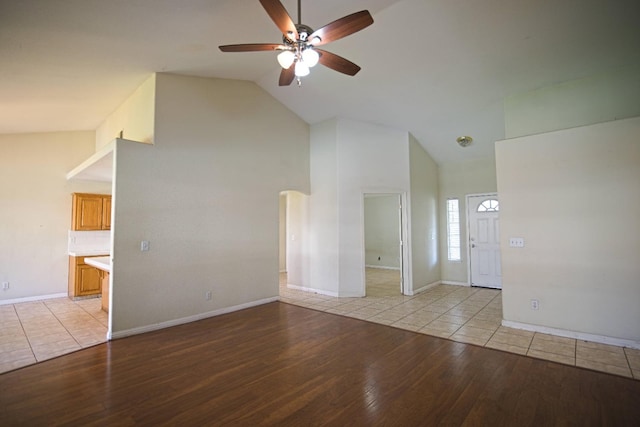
[{"x": 84, "y": 280}]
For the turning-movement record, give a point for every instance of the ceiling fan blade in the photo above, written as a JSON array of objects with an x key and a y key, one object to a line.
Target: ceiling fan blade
[
  {"x": 286, "y": 76},
  {"x": 338, "y": 63},
  {"x": 279, "y": 15},
  {"x": 341, "y": 28},
  {"x": 250, "y": 47}
]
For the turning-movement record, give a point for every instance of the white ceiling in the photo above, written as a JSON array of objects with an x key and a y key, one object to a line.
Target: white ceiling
[{"x": 436, "y": 68}]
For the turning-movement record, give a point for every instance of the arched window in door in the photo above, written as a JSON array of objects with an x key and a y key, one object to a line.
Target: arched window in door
[{"x": 489, "y": 205}]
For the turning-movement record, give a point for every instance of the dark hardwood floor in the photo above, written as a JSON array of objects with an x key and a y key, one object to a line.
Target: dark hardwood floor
[{"x": 279, "y": 364}]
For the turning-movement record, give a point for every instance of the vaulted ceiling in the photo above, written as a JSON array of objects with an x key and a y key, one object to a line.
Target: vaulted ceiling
[{"x": 436, "y": 68}]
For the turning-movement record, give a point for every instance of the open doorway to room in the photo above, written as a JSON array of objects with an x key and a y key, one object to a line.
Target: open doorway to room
[
  {"x": 282, "y": 238},
  {"x": 292, "y": 242},
  {"x": 383, "y": 244}
]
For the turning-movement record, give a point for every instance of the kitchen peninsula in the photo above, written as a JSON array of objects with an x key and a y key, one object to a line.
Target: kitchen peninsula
[{"x": 103, "y": 264}]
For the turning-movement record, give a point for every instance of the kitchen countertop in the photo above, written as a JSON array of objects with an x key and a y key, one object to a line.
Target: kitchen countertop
[
  {"x": 82, "y": 252},
  {"x": 101, "y": 262}
]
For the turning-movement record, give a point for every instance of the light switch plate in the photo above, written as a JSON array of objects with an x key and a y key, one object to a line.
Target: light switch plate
[{"x": 144, "y": 245}]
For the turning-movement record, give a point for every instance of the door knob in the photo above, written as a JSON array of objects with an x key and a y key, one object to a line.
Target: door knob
[{"x": 473, "y": 245}]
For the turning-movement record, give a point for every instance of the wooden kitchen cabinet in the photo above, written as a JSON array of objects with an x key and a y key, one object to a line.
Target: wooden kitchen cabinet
[
  {"x": 91, "y": 212},
  {"x": 84, "y": 280},
  {"x": 106, "y": 213}
]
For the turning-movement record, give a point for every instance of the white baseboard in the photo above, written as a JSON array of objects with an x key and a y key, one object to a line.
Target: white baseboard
[
  {"x": 424, "y": 288},
  {"x": 315, "y": 291},
  {"x": 382, "y": 267},
  {"x": 602, "y": 339},
  {"x": 30, "y": 299},
  {"x": 188, "y": 319},
  {"x": 452, "y": 282}
]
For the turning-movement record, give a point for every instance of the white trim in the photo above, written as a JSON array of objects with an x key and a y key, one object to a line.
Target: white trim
[
  {"x": 382, "y": 267},
  {"x": 425, "y": 287},
  {"x": 315, "y": 291},
  {"x": 36, "y": 298},
  {"x": 188, "y": 319},
  {"x": 602, "y": 339},
  {"x": 453, "y": 282}
]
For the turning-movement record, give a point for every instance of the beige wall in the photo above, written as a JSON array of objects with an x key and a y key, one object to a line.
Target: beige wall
[
  {"x": 348, "y": 159},
  {"x": 574, "y": 196},
  {"x": 323, "y": 208},
  {"x": 36, "y": 209},
  {"x": 611, "y": 95},
  {"x": 423, "y": 216},
  {"x": 135, "y": 117},
  {"x": 456, "y": 181},
  {"x": 206, "y": 196}
]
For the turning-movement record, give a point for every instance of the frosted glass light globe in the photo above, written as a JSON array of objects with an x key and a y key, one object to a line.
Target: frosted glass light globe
[
  {"x": 301, "y": 69},
  {"x": 285, "y": 59},
  {"x": 310, "y": 57}
]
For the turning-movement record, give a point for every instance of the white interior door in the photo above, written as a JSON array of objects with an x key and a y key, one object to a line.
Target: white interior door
[{"x": 484, "y": 241}]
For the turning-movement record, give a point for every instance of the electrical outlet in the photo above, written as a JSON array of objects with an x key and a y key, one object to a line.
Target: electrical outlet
[
  {"x": 207, "y": 295},
  {"x": 516, "y": 242},
  {"x": 144, "y": 245},
  {"x": 5, "y": 286},
  {"x": 535, "y": 304}
]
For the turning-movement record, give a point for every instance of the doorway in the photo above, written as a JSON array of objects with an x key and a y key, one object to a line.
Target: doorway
[
  {"x": 293, "y": 250},
  {"x": 483, "y": 229},
  {"x": 383, "y": 244}
]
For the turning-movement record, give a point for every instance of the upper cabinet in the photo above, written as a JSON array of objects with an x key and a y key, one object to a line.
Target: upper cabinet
[
  {"x": 106, "y": 213},
  {"x": 91, "y": 212}
]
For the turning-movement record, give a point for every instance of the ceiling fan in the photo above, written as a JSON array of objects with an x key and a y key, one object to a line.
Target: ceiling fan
[{"x": 298, "y": 51}]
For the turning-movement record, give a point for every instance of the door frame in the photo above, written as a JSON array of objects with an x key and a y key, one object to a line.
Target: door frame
[
  {"x": 405, "y": 252},
  {"x": 468, "y": 242}
]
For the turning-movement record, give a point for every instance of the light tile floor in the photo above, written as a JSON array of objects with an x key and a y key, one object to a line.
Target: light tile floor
[
  {"x": 463, "y": 314},
  {"x": 31, "y": 332}
]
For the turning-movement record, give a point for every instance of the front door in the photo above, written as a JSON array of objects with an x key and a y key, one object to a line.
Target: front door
[{"x": 484, "y": 240}]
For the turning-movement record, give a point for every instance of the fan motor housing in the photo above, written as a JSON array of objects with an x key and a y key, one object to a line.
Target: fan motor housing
[{"x": 304, "y": 31}]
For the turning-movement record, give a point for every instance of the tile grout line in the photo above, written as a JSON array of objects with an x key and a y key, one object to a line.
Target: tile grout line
[
  {"x": 626, "y": 356},
  {"x": 530, "y": 342},
  {"x": 63, "y": 325},
  {"x": 85, "y": 310},
  {"x": 24, "y": 332}
]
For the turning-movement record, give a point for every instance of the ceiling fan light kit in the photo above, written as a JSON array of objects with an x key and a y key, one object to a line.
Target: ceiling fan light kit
[{"x": 299, "y": 50}]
